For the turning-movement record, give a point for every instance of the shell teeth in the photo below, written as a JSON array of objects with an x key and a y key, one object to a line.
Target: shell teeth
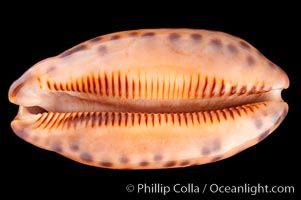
[
  {"x": 119, "y": 85},
  {"x": 140, "y": 92},
  {"x": 55, "y": 120}
]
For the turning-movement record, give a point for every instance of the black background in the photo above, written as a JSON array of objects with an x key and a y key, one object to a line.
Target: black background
[{"x": 40, "y": 31}]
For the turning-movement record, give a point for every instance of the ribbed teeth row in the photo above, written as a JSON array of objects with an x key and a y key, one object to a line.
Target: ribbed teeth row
[
  {"x": 55, "y": 120},
  {"x": 148, "y": 86}
]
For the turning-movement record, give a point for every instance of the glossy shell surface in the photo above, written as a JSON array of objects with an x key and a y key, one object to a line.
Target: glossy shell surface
[{"x": 153, "y": 98}]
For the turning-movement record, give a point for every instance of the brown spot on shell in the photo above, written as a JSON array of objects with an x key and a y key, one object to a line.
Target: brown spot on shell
[
  {"x": 102, "y": 50},
  {"x": 250, "y": 60},
  {"x": 144, "y": 163},
  {"x": 97, "y": 39},
  {"x": 184, "y": 163},
  {"x": 196, "y": 36},
  {"x": 232, "y": 49},
  {"x": 124, "y": 159},
  {"x": 106, "y": 164},
  {"x": 148, "y": 34},
  {"x": 158, "y": 157},
  {"x": 170, "y": 164},
  {"x": 115, "y": 37},
  {"x": 174, "y": 36},
  {"x": 134, "y": 33},
  {"x": 74, "y": 146},
  {"x": 51, "y": 69},
  {"x": 216, "y": 145},
  {"x": 244, "y": 45},
  {"x": 206, "y": 150},
  {"x": 258, "y": 123},
  {"x": 73, "y": 50},
  {"x": 85, "y": 156},
  {"x": 216, "y": 43},
  {"x": 35, "y": 138},
  {"x": 213, "y": 147},
  {"x": 57, "y": 147}
]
